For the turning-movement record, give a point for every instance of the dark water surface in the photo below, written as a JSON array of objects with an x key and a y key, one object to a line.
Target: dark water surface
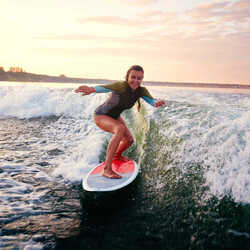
[{"x": 192, "y": 191}]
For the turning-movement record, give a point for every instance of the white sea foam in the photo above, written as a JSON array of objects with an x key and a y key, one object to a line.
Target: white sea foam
[
  {"x": 80, "y": 158},
  {"x": 75, "y": 132},
  {"x": 214, "y": 129},
  {"x": 215, "y": 132},
  {"x": 27, "y": 101}
]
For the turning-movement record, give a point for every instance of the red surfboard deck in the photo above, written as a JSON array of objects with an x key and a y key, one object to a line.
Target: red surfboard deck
[
  {"x": 119, "y": 166},
  {"x": 94, "y": 181}
]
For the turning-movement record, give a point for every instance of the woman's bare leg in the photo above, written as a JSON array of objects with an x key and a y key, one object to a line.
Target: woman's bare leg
[
  {"x": 125, "y": 143},
  {"x": 117, "y": 128}
]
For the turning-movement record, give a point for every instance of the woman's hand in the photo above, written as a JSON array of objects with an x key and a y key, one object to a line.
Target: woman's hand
[
  {"x": 85, "y": 90},
  {"x": 159, "y": 103}
]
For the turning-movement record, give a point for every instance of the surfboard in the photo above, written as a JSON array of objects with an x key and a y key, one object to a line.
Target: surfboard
[{"x": 94, "y": 181}]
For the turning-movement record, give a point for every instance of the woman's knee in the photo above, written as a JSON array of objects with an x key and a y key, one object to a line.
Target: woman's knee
[
  {"x": 120, "y": 129},
  {"x": 129, "y": 139}
]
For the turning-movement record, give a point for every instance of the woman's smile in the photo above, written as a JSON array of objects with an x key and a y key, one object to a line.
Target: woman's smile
[{"x": 135, "y": 79}]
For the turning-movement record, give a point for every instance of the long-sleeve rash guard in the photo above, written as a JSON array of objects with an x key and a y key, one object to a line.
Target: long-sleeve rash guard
[{"x": 122, "y": 97}]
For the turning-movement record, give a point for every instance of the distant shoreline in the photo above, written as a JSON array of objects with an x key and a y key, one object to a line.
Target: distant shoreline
[{"x": 30, "y": 77}]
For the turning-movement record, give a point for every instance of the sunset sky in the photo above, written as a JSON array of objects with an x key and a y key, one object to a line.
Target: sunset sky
[{"x": 179, "y": 41}]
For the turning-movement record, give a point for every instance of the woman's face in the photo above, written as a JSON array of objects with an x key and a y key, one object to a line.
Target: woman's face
[{"x": 135, "y": 78}]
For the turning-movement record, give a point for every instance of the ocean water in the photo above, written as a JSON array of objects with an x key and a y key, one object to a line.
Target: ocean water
[{"x": 193, "y": 190}]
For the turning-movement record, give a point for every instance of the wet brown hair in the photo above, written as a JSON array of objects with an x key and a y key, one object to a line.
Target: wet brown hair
[
  {"x": 137, "y": 68},
  {"x": 134, "y": 67}
]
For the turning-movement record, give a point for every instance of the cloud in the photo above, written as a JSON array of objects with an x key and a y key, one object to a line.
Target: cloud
[
  {"x": 203, "y": 22},
  {"x": 75, "y": 37},
  {"x": 141, "y": 2},
  {"x": 244, "y": 4},
  {"x": 224, "y": 11},
  {"x": 219, "y": 19},
  {"x": 112, "y": 20},
  {"x": 207, "y": 10},
  {"x": 238, "y": 12},
  {"x": 134, "y": 2}
]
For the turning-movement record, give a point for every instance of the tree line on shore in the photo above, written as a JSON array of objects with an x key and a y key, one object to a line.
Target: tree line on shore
[
  {"x": 12, "y": 69},
  {"x": 19, "y": 70},
  {"x": 20, "y": 75}
]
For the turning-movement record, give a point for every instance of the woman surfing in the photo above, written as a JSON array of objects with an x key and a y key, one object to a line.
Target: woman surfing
[{"x": 107, "y": 116}]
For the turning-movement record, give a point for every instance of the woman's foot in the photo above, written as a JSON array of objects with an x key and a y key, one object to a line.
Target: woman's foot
[{"x": 109, "y": 173}]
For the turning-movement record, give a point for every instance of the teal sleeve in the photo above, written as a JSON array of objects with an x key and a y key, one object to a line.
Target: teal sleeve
[
  {"x": 149, "y": 100},
  {"x": 100, "y": 89}
]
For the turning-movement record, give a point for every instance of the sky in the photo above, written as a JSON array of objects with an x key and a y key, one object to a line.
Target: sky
[{"x": 175, "y": 41}]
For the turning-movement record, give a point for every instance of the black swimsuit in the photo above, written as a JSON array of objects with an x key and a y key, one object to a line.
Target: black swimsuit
[{"x": 122, "y": 97}]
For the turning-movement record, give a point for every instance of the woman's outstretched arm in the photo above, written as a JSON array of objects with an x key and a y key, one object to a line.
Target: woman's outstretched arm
[
  {"x": 153, "y": 102},
  {"x": 86, "y": 90}
]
